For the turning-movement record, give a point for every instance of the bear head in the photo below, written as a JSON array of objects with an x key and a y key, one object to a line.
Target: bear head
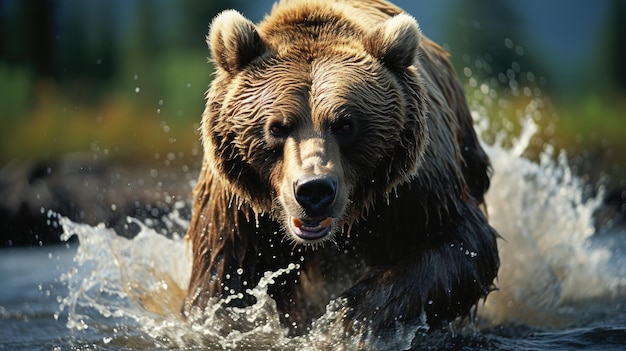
[{"x": 311, "y": 116}]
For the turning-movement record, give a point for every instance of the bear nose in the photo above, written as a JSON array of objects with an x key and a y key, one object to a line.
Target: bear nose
[{"x": 314, "y": 192}]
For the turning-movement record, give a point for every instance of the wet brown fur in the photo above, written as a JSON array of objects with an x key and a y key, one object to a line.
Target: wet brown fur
[{"x": 413, "y": 236}]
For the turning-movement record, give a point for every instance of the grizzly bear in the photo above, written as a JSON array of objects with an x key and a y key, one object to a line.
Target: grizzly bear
[{"x": 337, "y": 137}]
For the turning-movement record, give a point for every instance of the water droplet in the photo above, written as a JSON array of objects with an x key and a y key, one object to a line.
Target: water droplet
[
  {"x": 467, "y": 72},
  {"x": 508, "y": 43}
]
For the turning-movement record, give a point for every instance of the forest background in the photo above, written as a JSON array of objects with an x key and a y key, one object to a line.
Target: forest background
[{"x": 123, "y": 81}]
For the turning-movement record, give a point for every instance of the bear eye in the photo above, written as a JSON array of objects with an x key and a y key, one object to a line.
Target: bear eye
[
  {"x": 344, "y": 127},
  {"x": 278, "y": 130}
]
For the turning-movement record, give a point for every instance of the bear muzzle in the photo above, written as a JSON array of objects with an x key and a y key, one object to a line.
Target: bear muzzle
[{"x": 315, "y": 194}]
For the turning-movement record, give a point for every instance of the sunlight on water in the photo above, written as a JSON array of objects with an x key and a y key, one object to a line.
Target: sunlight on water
[{"x": 131, "y": 290}]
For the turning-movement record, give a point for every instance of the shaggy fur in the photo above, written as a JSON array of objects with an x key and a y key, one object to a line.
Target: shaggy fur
[{"x": 349, "y": 92}]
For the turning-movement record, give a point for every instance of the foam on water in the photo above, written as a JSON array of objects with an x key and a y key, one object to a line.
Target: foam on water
[{"x": 131, "y": 290}]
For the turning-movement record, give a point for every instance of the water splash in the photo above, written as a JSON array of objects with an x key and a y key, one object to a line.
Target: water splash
[
  {"x": 118, "y": 280},
  {"x": 129, "y": 293},
  {"x": 548, "y": 265}
]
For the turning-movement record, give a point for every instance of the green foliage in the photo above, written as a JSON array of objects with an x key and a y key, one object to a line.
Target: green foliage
[
  {"x": 594, "y": 121},
  {"x": 15, "y": 91},
  {"x": 183, "y": 78},
  {"x": 145, "y": 114}
]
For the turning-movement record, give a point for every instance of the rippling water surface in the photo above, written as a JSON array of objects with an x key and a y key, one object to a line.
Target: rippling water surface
[{"x": 561, "y": 286}]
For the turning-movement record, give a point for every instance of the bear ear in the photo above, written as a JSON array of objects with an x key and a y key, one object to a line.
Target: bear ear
[
  {"x": 395, "y": 42},
  {"x": 234, "y": 41}
]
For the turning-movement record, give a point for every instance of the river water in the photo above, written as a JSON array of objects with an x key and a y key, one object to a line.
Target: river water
[{"x": 561, "y": 286}]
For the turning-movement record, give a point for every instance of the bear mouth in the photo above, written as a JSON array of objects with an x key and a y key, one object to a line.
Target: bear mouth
[{"x": 311, "y": 229}]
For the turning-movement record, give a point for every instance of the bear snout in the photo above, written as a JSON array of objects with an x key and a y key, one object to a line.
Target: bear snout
[
  {"x": 315, "y": 193},
  {"x": 313, "y": 215}
]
